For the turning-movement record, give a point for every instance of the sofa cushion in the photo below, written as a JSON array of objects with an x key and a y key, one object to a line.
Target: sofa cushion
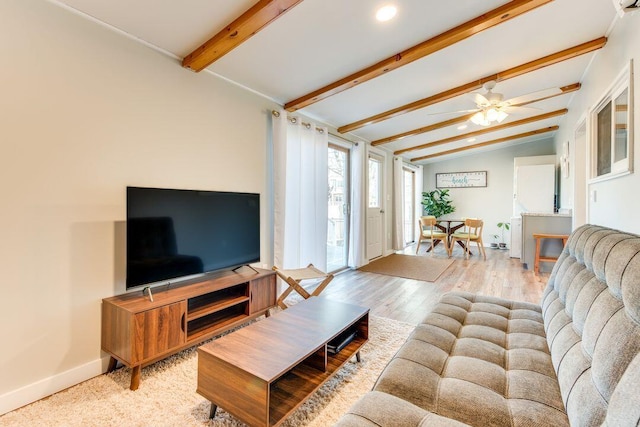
[
  {"x": 481, "y": 361},
  {"x": 382, "y": 409}
]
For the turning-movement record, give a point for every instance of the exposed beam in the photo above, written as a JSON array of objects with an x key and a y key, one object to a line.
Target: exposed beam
[
  {"x": 484, "y": 144},
  {"x": 494, "y": 17},
  {"x": 484, "y": 131},
  {"x": 554, "y": 58},
  {"x": 249, "y": 23},
  {"x": 565, "y": 89}
]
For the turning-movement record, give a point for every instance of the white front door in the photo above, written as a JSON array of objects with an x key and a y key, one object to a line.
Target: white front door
[{"x": 374, "y": 209}]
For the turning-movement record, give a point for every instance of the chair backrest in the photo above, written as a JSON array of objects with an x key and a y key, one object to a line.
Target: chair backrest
[
  {"x": 474, "y": 226},
  {"x": 428, "y": 221}
]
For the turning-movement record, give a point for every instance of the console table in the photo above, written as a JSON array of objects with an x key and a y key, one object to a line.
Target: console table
[
  {"x": 137, "y": 331},
  {"x": 263, "y": 372}
]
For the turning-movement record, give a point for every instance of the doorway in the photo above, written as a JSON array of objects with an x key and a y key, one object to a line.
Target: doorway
[
  {"x": 338, "y": 209},
  {"x": 374, "y": 206}
]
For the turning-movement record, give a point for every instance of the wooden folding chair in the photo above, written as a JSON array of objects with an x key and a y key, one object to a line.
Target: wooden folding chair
[{"x": 295, "y": 276}]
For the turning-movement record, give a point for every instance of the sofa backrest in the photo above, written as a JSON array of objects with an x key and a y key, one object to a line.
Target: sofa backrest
[{"x": 591, "y": 310}]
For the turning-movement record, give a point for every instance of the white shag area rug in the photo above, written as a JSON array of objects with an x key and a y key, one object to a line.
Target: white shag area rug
[{"x": 167, "y": 395}]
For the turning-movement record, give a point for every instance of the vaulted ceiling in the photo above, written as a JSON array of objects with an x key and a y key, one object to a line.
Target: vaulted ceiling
[{"x": 403, "y": 84}]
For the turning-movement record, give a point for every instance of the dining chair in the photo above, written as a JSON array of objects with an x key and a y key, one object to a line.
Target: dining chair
[
  {"x": 429, "y": 231},
  {"x": 472, "y": 232}
]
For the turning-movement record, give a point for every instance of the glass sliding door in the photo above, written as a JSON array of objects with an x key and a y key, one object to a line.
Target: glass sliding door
[
  {"x": 338, "y": 209},
  {"x": 408, "y": 199}
]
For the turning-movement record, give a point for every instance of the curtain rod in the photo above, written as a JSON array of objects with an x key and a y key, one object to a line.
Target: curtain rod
[{"x": 294, "y": 120}]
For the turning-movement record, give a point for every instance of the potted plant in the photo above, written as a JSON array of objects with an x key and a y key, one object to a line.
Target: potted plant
[
  {"x": 503, "y": 226},
  {"x": 437, "y": 203},
  {"x": 494, "y": 244}
]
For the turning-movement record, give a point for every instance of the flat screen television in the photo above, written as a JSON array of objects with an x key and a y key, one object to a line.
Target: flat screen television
[{"x": 173, "y": 234}]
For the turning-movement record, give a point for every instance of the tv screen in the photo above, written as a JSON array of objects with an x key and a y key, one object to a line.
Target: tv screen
[{"x": 172, "y": 233}]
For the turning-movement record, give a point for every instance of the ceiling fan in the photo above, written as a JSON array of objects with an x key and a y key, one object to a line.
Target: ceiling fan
[{"x": 492, "y": 107}]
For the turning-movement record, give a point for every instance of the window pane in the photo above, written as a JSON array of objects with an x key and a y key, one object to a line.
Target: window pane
[
  {"x": 621, "y": 118},
  {"x": 374, "y": 183},
  {"x": 604, "y": 140}
]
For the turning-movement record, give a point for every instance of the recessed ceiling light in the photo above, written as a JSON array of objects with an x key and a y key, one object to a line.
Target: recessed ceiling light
[
  {"x": 462, "y": 127},
  {"x": 471, "y": 140},
  {"x": 386, "y": 13}
]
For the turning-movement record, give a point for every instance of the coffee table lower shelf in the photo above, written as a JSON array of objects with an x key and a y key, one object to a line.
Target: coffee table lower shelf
[{"x": 263, "y": 395}]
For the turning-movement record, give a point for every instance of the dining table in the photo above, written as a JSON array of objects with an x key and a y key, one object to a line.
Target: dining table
[{"x": 449, "y": 226}]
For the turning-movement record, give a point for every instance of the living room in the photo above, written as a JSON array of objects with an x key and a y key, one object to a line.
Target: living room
[{"x": 88, "y": 111}]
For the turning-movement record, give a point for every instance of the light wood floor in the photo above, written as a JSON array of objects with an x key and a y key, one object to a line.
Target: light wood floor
[{"x": 409, "y": 300}]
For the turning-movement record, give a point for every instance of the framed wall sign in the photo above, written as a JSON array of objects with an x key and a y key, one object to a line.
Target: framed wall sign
[{"x": 461, "y": 179}]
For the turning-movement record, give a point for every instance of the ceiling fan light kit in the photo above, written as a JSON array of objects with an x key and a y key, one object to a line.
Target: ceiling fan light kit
[{"x": 488, "y": 116}]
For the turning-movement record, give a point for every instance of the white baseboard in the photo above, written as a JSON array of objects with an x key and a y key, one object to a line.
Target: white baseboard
[{"x": 48, "y": 386}]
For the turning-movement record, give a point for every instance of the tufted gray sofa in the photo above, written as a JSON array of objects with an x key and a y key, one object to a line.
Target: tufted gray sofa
[{"x": 484, "y": 361}]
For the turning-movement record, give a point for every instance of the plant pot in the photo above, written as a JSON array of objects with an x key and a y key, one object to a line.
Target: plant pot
[
  {"x": 494, "y": 246},
  {"x": 502, "y": 245}
]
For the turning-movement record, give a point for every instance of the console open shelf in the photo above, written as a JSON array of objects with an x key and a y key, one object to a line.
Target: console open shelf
[{"x": 212, "y": 302}]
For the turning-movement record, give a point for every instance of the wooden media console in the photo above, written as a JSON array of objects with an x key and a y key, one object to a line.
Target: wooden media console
[{"x": 137, "y": 331}]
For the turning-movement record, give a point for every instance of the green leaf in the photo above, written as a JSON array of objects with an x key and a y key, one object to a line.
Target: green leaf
[{"x": 437, "y": 203}]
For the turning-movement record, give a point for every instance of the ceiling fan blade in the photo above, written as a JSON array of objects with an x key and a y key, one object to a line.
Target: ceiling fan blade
[
  {"x": 480, "y": 99},
  {"x": 533, "y": 96},
  {"x": 454, "y": 112},
  {"x": 519, "y": 110}
]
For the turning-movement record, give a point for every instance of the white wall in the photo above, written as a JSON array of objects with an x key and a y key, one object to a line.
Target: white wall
[
  {"x": 616, "y": 205},
  {"x": 84, "y": 112},
  {"x": 493, "y": 203}
]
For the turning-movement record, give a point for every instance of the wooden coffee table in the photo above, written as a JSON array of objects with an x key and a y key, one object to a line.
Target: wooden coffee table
[{"x": 263, "y": 372}]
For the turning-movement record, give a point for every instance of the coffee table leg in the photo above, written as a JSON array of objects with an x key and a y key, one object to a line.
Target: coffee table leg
[
  {"x": 358, "y": 358},
  {"x": 212, "y": 411}
]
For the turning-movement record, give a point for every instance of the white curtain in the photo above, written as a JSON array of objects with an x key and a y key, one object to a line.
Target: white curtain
[
  {"x": 357, "y": 251},
  {"x": 300, "y": 181},
  {"x": 398, "y": 204}
]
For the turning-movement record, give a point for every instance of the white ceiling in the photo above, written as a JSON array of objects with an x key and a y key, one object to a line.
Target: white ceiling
[{"x": 320, "y": 41}]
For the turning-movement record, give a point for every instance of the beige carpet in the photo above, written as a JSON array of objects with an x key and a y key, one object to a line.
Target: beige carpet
[
  {"x": 167, "y": 396},
  {"x": 423, "y": 268}
]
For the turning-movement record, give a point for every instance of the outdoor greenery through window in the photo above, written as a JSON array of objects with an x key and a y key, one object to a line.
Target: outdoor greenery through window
[{"x": 338, "y": 208}]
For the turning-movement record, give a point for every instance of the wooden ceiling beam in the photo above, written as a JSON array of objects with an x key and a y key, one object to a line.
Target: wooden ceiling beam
[
  {"x": 484, "y": 131},
  {"x": 492, "y": 18},
  {"x": 565, "y": 89},
  {"x": 484, "y": 144},
  {"x": 424, "y": 129},
  {"x": 537, "y": 64},
  {"x": 249, "y": 23}
]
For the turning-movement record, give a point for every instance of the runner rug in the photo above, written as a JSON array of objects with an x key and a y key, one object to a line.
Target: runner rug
[{"x": 423, "y": 268}]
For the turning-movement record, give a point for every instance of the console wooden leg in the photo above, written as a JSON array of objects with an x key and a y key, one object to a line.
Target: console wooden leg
[
  {"x": 135, "y": 377},
  {"x": 113, "y": 363},
  {"x": 212, "y": 411},
  {"x": 358, "y": 358}
]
